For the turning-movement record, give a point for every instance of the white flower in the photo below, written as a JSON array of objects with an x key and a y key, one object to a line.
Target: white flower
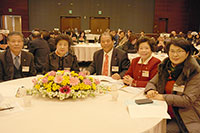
[{"x": 58, "y": 73}]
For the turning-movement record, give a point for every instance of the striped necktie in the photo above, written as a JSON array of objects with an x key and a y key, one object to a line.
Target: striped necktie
[{"x": 17, "y": 62}]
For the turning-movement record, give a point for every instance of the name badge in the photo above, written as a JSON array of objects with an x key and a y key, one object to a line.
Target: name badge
[
  {"x": 145, "y": 73},
  {"x": 25, "y": 68},
  {"x": 115, "y": 69},
  {"x": 179, "y": 88},
  {"x": 67, "y": 68}
]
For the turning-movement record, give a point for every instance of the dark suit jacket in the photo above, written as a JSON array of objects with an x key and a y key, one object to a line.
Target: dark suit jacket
[
  {"x": 119, "y": 58},
  {"x": 69, "y": 62},
  {"x": 40, "y": 49},
  {"x": 7, "y": 66}
]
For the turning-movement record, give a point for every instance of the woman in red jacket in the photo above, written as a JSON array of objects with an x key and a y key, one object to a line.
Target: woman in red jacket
[{"x": 142, "y": 68}]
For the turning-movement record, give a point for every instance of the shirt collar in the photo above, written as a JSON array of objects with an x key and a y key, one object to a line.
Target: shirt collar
[
  {"x": 13, "y": 55},
  {"x": 146, "y": 62},
  {"x": 109, "y": 53}
]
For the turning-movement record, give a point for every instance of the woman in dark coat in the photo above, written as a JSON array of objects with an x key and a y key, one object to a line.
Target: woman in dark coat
[
  {"x": 177, "y": 83},
  {"x": 62, "y": 58}
]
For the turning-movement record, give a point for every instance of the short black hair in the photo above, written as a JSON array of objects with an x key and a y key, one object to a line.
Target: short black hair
[
  {"x": 64, "y": 37},
  {"x": 36, "y": 34},
  {"x": 107, "y": 34},
  {"x": 180, "y": 42},
  {"x": 15, "y": 33},
  {"x": 150, "y": 41}
]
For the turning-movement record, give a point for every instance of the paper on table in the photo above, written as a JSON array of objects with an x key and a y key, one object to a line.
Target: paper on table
[
  {"x": 8, "y": 90},
  {"x": 155, "y": 110},
  {"x": 7, "y": 103}
]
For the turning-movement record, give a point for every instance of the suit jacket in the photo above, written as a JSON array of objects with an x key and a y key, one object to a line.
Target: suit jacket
[
  {"x": 69, "y": 62},
  {"x": 7, "y": 66},
  {"x": 40, "y": 49},
  {"x": 119, "y": 58}
]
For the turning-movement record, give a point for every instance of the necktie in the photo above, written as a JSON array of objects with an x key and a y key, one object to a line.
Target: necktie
[
  {"x": 105, "y": 66},
  {"x": 17, "y": 62}
]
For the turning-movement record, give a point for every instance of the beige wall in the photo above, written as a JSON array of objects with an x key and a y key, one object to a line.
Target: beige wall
[{"x": 136, "y": 15}]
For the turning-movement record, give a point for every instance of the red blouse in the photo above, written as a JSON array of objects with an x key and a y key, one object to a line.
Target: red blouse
[{"x": 142, "y": 73}]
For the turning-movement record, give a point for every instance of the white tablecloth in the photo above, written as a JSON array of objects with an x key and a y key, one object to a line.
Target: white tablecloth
[
  {"x": 91, "y": 115},
  {"x": 84, "y": 52}
]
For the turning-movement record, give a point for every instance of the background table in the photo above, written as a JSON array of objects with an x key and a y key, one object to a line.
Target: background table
[
  {"x": 91, "y": 115},
  {"x": 84, "y": 52}
]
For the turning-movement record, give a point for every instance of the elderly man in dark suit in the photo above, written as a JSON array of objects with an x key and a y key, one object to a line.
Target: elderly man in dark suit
[
  {"x": 15, "y": 63},
  {"x": 109, "y": 61},
  {"x": 40, "y": 49}
]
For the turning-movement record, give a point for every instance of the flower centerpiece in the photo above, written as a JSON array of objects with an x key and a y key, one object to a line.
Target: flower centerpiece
[{"x": 65, "y": 84}]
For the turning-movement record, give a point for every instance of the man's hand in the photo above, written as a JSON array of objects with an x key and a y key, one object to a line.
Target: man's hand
[{"x": 116, "y": 76}]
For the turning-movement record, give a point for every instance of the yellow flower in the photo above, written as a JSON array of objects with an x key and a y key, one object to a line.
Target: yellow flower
[
  {"x": 76, "y": 87},
  {"x": 45, "y": 85},
  {"x": 80, "y": 77},
  {"x": 60, "y": 71},
  {"x": 46, "y": 74},
  {"x": 75, "y": 74},
  {"x": 65, "y": 81},
  {"x": 37, "y": 86},
  {"x": 81, "y": 86},
  {"x": 94, "y": 86},
  {"x": 87, "y": 87},
  {"x": 51, "y": 78},
  {"x": 48, "y": 85},
  {"x": 49, "y": 90},
  {"x": 91, "y": 79},
  {"x": 55, "y": 87}
]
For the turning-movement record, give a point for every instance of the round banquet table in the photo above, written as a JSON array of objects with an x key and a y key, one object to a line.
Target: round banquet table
[
  {"x": 91, "y": 115},
  {"x": 84, "y": 52}
]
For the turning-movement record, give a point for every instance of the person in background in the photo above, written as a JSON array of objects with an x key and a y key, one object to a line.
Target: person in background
[
  {"x": 173, "y": 34},
  {"x": 62, "y": 58},
  {"x": 108, "y": 61},
  {"x": 3, "y": 41},
  {"x": 160, "y": 44},
  {"x": 142, "y": 68},
  {"x": 129, "y": 32},
  {"x": 40, "y": 49},
  {"x": 142, "y": 34},
  {"x": 130, "y": 46},
  {"x": 177, "y": 83},
  {"x": 122, "y": 38},
  {"x": 82, "y": 37},
  {"x": 116, "y": 37},
  {"x": 15, "y": 63},
  {"x": 74, "y": 38},
  {"x": 51, "y": 41}
]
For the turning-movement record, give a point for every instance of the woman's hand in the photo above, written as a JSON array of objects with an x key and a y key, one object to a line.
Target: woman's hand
[
  {"x": 154, "y": 95},
  {"x": 151, "y": 93},
  {"x": 128, "y": 80}
]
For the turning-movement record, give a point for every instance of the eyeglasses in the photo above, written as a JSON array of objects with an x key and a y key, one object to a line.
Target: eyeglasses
[{"x": 177, "y": 52}]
